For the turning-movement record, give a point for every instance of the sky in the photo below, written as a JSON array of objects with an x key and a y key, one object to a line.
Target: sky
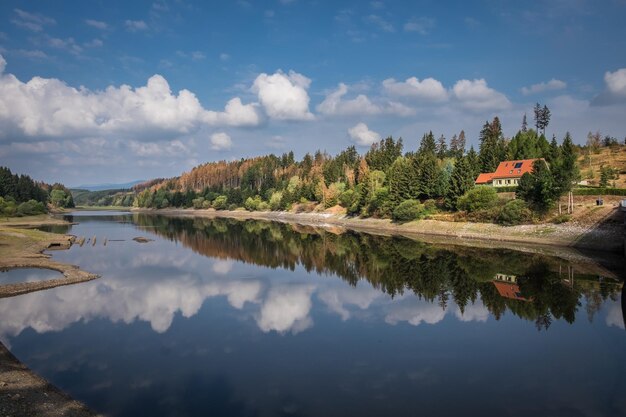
[{"x": 115, "y": 91}]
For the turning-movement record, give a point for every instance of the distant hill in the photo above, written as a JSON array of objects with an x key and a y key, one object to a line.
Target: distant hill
[
  {"x": 115, "y": 197},
  {"x": 101, "y": 187}
]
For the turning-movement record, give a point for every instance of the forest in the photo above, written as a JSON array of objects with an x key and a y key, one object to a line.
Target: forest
[
  {"x": 20, "y": 195},
  {"x": 387, "y": 182}
]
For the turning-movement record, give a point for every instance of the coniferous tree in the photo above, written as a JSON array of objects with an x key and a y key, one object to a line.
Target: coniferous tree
[
  {"x": 461, "y": 181},
  {"x": 524, "y": 124},
  {"x": 555, "y": 151},
  {"x": 461, "y": 146},
  {"x": 442, "y": 147},
  {"x": 538, "y": 188},
  {"x": 492, "y": 146},
  {"x": 473, "y": 161},
  {"x": 401, "y": 180}
]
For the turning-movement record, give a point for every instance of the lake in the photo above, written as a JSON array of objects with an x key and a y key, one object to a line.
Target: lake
[{"x": 217, "y": 317}]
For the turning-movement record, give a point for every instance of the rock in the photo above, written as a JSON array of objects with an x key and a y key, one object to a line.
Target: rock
[
  {"x": 16, "y": 397},
  {"x": 142, "y": 239},
  {"x": 3, "y": 384}
]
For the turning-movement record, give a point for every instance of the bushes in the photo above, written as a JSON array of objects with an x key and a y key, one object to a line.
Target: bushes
[
  {"x": 30, "y": 208},
  {"x": 514, "y": 212},
  {"x": 220, "y": 202},
  {"x": 599, "y": 191},
  {"x": 479, "y": 198},
  {"x": 562, "y": 218},
  {"x": 408, "y": 210}
]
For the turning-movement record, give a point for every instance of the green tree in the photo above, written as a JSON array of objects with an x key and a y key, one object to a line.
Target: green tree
[
  {"x": 461, "y": 181},
  {"x": 538, "y": 188},
  {"x": 478, "y": 198},
  {"x": 492, "y": 146}
]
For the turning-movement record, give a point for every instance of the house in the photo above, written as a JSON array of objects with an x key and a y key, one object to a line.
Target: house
[
  {"x": 507, "y": 174},
  {"x": 507, "y": 287}
]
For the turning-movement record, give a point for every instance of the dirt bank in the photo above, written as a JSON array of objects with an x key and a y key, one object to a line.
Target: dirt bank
[
  {"x": 24, "y": 394},
  {"x": 23, "y": 248}
]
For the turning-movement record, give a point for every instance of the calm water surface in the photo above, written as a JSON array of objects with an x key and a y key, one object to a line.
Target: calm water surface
[{"x": 229, "y": 318}]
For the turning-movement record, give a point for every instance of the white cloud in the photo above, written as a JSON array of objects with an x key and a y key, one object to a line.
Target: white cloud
[
  {"x": 235, "y": 114},
  {"x": 94, "y": 43},
  {"x": 551, "y": 85},
  {"x": 362, "y": 135},
  {"x": 615, "y": 91},
  {"x": 197, "y": 55},
  {"x": 421, "y": 25},
  {"x": 3, "y": 64},
  {"x": 414, "y": 312},
  {"x": 221, "y": 141},
  {"x": 333, "y": 104},
  {"x": 286, "y": 308},
  {"x": 136, "y": 25},
  {"x": 96, "y": 24},
  {"x": 31, "y": 21},
  {"x": 616, "y": 82},
  {"x": 476, "y": 95},
  {"x": 49, "y": 107},
  {"x": 222, "y": 267},
  {"x": 381, "y": 23},
  {"x": 427, "y": 89},
  {"x": 339, "y": 299},
  {"x": 158, "y": 149},
  {"x": 284, "y": 96},
  {"x": 224, "y": 57}
]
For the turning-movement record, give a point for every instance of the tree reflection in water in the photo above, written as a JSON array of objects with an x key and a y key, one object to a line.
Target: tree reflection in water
[{"x": 542, "y": 289}]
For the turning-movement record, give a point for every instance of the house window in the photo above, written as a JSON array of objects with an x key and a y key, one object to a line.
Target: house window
[
  {"x": 518, "y": 165},
  {"x": 508, "y": 181}
]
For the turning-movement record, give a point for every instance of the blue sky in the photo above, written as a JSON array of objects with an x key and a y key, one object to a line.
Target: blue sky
[{"x": 114, "y": 91}]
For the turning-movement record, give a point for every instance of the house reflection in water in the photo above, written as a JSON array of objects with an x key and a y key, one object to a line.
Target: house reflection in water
[{"x": 507, "y": 287}]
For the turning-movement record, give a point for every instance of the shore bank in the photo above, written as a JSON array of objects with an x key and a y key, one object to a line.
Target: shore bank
[
  {"x": 22, "y": 247},
  {"x": 25, "y": 394}
]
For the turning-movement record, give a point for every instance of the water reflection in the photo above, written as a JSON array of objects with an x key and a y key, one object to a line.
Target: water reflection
[
  {"x": 532, "y": 287},
  {"x": 220, "y": 317},
  {"x": 395, "y": 279}
]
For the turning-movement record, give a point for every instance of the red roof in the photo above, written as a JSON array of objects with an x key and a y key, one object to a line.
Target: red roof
[
  {"x": 508, "y": 290},
  {"x": 508, "y": 169},
  {"x": 484, "y": 178},
  {"x": 514, "y": 169}
]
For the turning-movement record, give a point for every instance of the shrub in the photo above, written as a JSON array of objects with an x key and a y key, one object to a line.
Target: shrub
[
  {"x": 562, "y": 218},
  {"x": 276, "y": 201},
  {"x": 197, "y": 202},
  {"x": 220, "y": 202},
  {"x": 251, "y": 204},
  {"x": 347, "y": 198},
  {"x": 430, "y": 205},
  {"x": 30, "y": 208},
  {"x": 478, "y": 198},
  {"x": 380, "y": 204},
  {"x": 408, "y": 210},
  {"x": 514, "y": 212}
]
